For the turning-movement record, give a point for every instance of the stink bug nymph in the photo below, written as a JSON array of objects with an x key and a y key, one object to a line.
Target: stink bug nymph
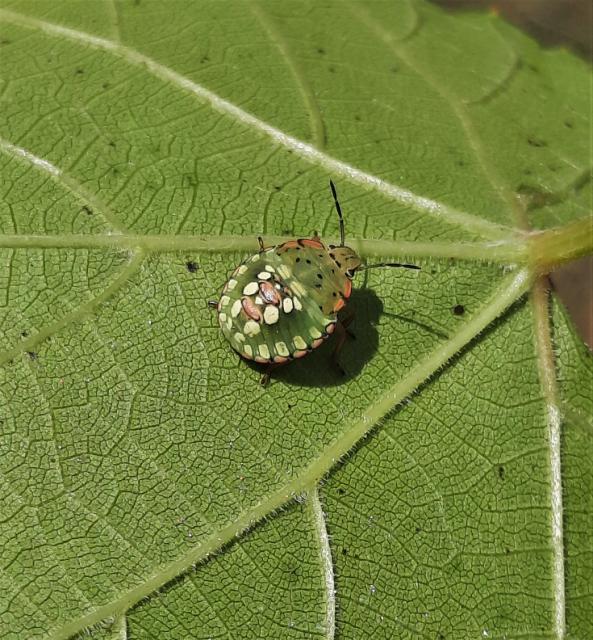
[{"x": 283, "y": 302}]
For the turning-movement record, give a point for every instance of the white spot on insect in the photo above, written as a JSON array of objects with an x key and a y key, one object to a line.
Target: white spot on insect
[
  {"x": 282, "y": 349},
  {"x": 271, "y": 314},
  {"x": 241, "y": 270},
  {"x": 299, "y": 343},
  {"x": 270, "y": 268},
  {"x": 229, "y": 323},
  {"x": 278, "y": 286},
  {"x": 236, "y": 308},
  {"x": 314, "y": 332},
  {"x": 224, "y": 301},
  {"x": 230, "y": 285},
  {"x": 284, "y": 271},
  {"x": 250, "y": 288},
  {"x": 255, "y": 258},
  {"x": 264, "y": 352},
  {"x": 248, "y": 350},
  {"x": 287, "y": 305},
  {"x": 297, "y": 304},
  {"x": 251, "y": 328},
  {"x": 239, "y": 337},
  {"x": 222, "y": 317},
  {"x": 264, "y": 275},
  {"x": 258, "y": 300}
]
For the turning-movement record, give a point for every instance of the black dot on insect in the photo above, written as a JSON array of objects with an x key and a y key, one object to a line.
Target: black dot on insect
[
  {"x": 87, "y": 210},
  {"x": 318, "y": 286},
  {"x": 339, "y": 264},
  {"x": 458, "y": 309},
  {"x": 308, "y": 261},
  {"x": 298, "y": 260},
  {"x": 192, "y": 266},
  {"x": 320, "y": 308},
  {"x": 320, "y": 276},
  {"x": 501, "y": 472},
  {"x": 334, "y": 294}
]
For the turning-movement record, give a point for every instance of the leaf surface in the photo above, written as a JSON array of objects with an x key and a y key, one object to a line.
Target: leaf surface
[{"x": 442, "y": 487}]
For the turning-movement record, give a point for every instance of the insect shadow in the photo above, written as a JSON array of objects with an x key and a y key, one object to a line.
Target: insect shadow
[{"x": 319, "y": 368}]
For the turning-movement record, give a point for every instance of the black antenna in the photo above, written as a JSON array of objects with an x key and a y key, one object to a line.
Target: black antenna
[
  {"x": 388, "y": 264},
  {"x": 339, "y": 210}
]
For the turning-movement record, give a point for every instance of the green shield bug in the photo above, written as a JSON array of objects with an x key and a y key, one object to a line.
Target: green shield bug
[{"x": 283, "y": 302}]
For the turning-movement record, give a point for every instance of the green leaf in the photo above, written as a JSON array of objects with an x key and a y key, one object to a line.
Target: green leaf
[{"x": 150, "y": 487}]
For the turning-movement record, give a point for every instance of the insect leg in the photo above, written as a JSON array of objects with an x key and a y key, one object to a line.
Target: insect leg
[
  {"x": 261, "y": 244},
  {"x": 212, "y": 304},
  {"x": 267, "y": 374}
]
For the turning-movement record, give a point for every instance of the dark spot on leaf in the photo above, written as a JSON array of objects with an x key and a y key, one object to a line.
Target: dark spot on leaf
[
  {"x": 394, "y": 69},
  {"x": 341, "y": 491},
  {"x": 105, "y": 85},
  {"x": 501, "y": 472},
  {"x": 192, "y": 266},
  {"x": 278, "y": 187},
  {"x": 188, "y": 180},
  {"x": 344, "y": 551},
  {"x": 332, "y": 69},
  {"x": 461, "y": 163},
  {"x": 357, "y": 118},
  {"x": 204, "y": 59},
  {"x": 87, "y": 209},
  {"x": 32, "y": 354},
  {"x": 536, "y": 142},
  {"x": 320, "y": 51},
  {"x": 24, "y": 333},
  {"x": 286, "y": 232},
  {"x": 79, "y": 71},
  {"x": 111, "y": 143},
  {"x": 568, "y": 124},
  {"x": 507, "y": 550},
  {"x": 418, "y": 529},
  {"x": 5, "y": 41},
  {"x": 532, "y": 67},
  {"x": 458, "y": 309}
]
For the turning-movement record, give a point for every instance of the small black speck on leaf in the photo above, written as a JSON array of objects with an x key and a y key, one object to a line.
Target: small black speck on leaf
[
  {"x": 204, "y": 59},
  {"x": 501, "y": 472},
  {"x": 344, "y": 551},
  {"x": 394, "y": 69},
  {"x": 341, "y": 491},
  {"x": 105, "y": 85},
  {"x": 418, "y": 529},
  {"x": 192, "y": 266},
  {"x": 5, "y": 41},
  {"x": 320, "y": 51},
  {"x": 332, "y": 69},
  {"x": 536, "y": 142},
  {"x": 568, "y": 124},
  {"x": 458, "y": 309},
  {"x": 32, "y": 354},
  {"x": 278, "y": 187},
  {"x": 79, "y": 71},
  {"x": 87, "y": 210},
  {"x": 24, "y": 333}
]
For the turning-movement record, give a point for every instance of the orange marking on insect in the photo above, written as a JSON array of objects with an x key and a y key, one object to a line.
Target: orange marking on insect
[
  {"x": 317, "y": 244},
  {"x": 340, "y": 304},
  {"x": 269, "y": 293},
  {"x": 261, "y": 360},
  {"x": 317, "y": 342},
  {"x": 251, "y": 309},
  {"x": 280, "y": 359},
  {"x": 348, "y": 289},
  {"x": 300, "y": 353},
  {"x": 291, "y": 244},
  {"x": 330, "y": 328},
  {"x": 246, "y": 356}
]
